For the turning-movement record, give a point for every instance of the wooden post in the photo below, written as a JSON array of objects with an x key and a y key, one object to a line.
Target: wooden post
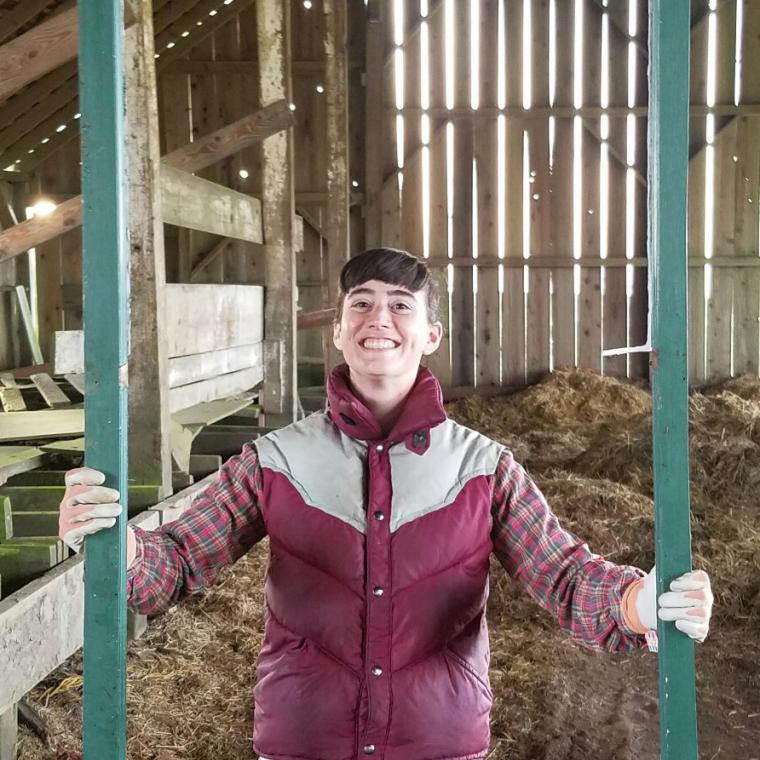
[
  {"x": 668, "y": 163},
  {"x": 375, "y": 113},
  {"x": 273, "y": 22},
  {"x": 106, "y": 324},
  {"x": 149, "y": 440},
  {"x": 336, "y": 88}
]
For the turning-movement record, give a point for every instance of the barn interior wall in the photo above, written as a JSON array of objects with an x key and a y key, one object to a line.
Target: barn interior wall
[{"x": 509, "y": 317}]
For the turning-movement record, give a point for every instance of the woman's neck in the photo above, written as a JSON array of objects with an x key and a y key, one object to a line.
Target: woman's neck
[{"x": 384, "y": 397}]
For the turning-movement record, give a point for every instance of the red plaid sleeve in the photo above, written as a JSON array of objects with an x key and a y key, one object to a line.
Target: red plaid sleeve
[
  {"x": 185, "y": 556},
  {"x": 582, "y": 590}
]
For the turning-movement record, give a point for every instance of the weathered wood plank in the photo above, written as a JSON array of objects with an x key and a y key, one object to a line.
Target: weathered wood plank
[
  {"x": 21, "y": 563},
  {"x": 561, "y": 195},
  {"x": 197, "y": 204},
  {"x": 486, "y": 154},
  {"x": 15, "y": 460},
  {"x": 184, "y": 370},
  {"x": 215, "y": 387},
  {"x": 38, "y": 51},
  {"x": 207, "y": 317},
  {"x": 47, "y": 423},
  {"x": 148, "y": 413},
  {"x": 720, "y": 302},
  {"x": 615, "y": 303},
  {"x": 280, "y": 380},
  {"x": 538, "y": 297},
  {"x": 513, "y": 297},
  {"x": 235, "y": 137},
  {"x": 440, "y": 362},
  {"x": 747, "y": 208},
  {"x": 54, "y": 397},
  {"x": 10, "y": 395},
  {"x": 374, "y": 121},
  {"x": 462, "y": 296}
]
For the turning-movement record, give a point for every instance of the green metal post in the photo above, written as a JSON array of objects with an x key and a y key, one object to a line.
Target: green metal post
[
  {"x": 668, "y": 169},
  {"x": 106, "y": 336}
]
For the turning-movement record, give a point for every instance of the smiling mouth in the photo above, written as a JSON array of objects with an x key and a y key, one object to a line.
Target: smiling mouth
[{"x": 378, "y": 344}]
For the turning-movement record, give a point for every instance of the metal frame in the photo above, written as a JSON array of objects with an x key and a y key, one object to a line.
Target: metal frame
[
  {"x": 668, "y": 169},
  {"x": 106, "y": 325}
]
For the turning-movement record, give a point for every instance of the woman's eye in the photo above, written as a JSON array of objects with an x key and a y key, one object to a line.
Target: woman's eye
[
  {"x": 360, "y": 304},
  {"x": 401, "y": 306}
]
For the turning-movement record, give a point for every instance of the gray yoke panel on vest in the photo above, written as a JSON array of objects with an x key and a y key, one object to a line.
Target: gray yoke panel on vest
[
  {"x": 424, "y": 483},
  {"x": 323, "y": 464}
]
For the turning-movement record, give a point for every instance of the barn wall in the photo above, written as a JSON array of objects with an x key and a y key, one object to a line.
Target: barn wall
[{"x": 527, "y": 191}]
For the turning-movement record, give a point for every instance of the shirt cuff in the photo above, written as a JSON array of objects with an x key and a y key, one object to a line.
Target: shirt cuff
[{"x": 628, "y": 605}]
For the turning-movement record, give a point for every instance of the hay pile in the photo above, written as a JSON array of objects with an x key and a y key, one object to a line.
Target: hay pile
[{"x": 587, "y": 442}]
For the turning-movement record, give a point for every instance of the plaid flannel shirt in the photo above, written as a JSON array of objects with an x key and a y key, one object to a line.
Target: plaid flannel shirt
[{"x": 582, "y": 590}]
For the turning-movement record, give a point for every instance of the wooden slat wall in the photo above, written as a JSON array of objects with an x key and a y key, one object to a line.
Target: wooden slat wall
[
  {"x": 440, "y": 361},
  {"x": 513, "y": 297},
  {"x": 561, "y": 199},
  {"x": 486, "y": 147},
  {"x": 507, "y": 324},
  {"x": 310, "y": 168}
]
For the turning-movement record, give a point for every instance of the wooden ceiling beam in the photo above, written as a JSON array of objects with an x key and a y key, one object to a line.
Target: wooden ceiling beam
[
  {"x": 19, "y": 17},
  {"x": 43, "y": 48},
  {"x": 191, "y": 157},
  {"x": 46, "y": 130},
  {"x": 189, "y": 23},
  {"x": 34, "y": 95},
  {"x": 37, "y": 114}
]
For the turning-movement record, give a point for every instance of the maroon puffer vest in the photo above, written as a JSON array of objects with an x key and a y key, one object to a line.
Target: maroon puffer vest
[{"x": 376, "y": 642}]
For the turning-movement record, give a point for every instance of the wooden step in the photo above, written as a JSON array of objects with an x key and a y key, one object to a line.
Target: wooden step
[{"x": 23, "y": 562}]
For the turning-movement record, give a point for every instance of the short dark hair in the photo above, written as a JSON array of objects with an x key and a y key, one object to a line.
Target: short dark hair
[{"x": 392, "y": 266}]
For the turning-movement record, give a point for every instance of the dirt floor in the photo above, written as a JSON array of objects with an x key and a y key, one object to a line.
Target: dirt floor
[{"x": 587, "y": 442}]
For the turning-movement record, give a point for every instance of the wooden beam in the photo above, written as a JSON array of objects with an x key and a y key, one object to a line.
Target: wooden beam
[
  {"x": 188, "y": 22},
  {"x": 28, "y": 234},
  {"x": 148, "y": 404},
  {"x": 215, "y": 387},
  {"x": 237, "y": 67},
  {"x": 47, "y": 423},
  {"x": 209, "y": 257},
  {"x": 20, "y": 16},
  {"x": 375, "y": 113},
  {"x": 280, "y": 382},
  {"x": 204, "y": 318},
  {"x": 185, "y": 370},
  {"x": 336, "y": 94},
  {"x": 68, "y": 215},
  {"x": 32, "y": 105},
  {"x": 319, "y": 318},
  {"x": 233, "y": 138},
  {"x": 197, "y": 204},
  {"x": 54, "y": 397},
  {"x": 17, "y": 459}
]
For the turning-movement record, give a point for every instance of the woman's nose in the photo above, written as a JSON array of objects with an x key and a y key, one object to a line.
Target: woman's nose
[{"x": 380, "y": 315}]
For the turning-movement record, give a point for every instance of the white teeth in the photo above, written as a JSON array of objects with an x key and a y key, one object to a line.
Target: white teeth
[{"x": 378, "y": 343}]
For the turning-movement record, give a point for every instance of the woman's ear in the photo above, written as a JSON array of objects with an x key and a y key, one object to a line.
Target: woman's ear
[
  {"x": 435, "y": 335},
  {"x": 337, "y": 341}
]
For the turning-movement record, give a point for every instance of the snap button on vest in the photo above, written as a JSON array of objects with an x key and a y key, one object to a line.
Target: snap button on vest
[
  {"x": 378, "y": 591},
  {"x": 379, "y": 516},
  {"x": 377, "y": 671},
  {"x": 379, "y": 448},
  {"x": 369, "y": 749}
]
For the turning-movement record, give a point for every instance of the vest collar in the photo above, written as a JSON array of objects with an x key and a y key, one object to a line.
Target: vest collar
[{"x": 423, "y": 409}]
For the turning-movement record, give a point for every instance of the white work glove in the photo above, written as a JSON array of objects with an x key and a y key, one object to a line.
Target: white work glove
[
  {"x": 688, "y": 603},
  {"x": 87, "y": 507}
]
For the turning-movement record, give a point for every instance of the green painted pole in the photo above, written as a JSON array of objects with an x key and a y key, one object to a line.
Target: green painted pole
[
  {"x": 668, "y": 169},
  {"x": 106, "y": 332}
]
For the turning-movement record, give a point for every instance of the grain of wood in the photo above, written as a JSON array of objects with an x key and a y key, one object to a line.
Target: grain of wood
[{"x": 54, "y": 397}]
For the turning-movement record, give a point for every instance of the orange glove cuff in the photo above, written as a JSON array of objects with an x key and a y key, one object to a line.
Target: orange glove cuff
[{"x": 630, "y": 616}]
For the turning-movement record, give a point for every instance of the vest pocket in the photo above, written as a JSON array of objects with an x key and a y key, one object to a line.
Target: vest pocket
[{"x": 464, "y": 665}]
